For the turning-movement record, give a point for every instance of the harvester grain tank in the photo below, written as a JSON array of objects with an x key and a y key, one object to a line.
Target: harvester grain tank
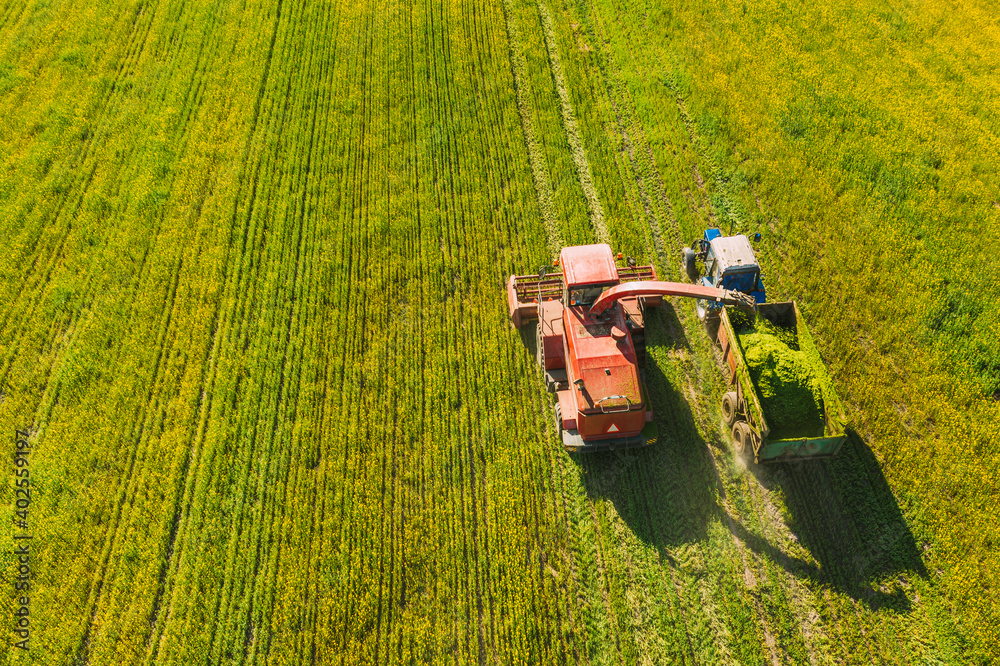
[{"x": 591, "y": 341}]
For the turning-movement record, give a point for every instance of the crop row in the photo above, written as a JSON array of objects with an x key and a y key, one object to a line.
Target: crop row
[
  {"x": 255, "y": 317},
  {"x": 308, "y": 447}
]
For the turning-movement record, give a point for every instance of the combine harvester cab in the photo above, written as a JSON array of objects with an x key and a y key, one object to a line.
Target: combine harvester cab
[{"x": 592, "y": 362}]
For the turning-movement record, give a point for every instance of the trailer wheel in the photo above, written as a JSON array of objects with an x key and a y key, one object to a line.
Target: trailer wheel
[
  {"x": 741, "y": 436},
  {"x": 559, "y": 425},
  {"x": 729, "y": 407}
]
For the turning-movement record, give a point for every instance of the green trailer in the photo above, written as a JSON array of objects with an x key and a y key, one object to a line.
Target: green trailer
[{"x": 742, "y": 403}]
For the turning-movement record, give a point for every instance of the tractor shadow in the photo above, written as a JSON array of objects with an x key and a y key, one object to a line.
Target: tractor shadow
[
  {"x": 840, "y": 510},
  {"x": 844, "y": 513}
]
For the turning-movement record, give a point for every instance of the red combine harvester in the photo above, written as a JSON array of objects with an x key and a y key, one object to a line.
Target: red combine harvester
[{"x": 591, "y": 342}]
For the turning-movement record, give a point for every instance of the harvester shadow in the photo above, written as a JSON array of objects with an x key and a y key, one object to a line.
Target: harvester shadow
[
  {"x": 528, "y": 339},
  {"x": 667, "y": 330},
  {"x": 665, "y": 493},
  {"x": 844, "y": 513}
]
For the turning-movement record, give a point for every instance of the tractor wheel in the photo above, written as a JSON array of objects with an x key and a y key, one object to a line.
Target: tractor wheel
[
  {"x": 729, "y": 408},
  {"x": 688, "y": 264},
  {"x": 741, "y": 437},
  {"x": 559, "y": 425}
]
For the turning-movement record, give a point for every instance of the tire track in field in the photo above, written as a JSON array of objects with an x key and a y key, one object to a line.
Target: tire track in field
[
  {"x": 769, "y": 565},
  {"x": 811, "y": 515},
  {"x": 235, "y": 601},
  {"x": 134, "y": 47},
  {"x": 334, "y": 372},
  {"x": 657, "y": 237},
  {"x": 649, "y": 185},
  {"x": 522, "y": 90},
  {"x": 354, "y": 242},
  {"x": 12, "y": 15},
  {"x": 182, "y": 136},
  {"x": 464, "y": 535},
  {"x": 45, "y": 402},
  {"x": 773, "y": 530},
  {"x": 645, "y": 175},
  {"x": 816, "y": 483},
  {"x": 672, "y": 585},
  {"x": 348, "y": 222},
  {"x": 317, "y": 151},
  {"x": 490, "y": 142},
  {"x": 575, "y": 553},
  {"x": 543, "y": 188},
  {"x": 141, "y": 416},
  {"x": 132, "y": 480},
  {"x": 317, "y": 148},
  {"x": 388, "y": 489},
  {"x": 702, "y": 209},
  {"x": 660, "y": 251},
  {"x": 483, "y": 543},
  {"x": 467, "y": 536},
  {"x": 286, "y": 396},
  {"x": 140, "y": 427},
  {"x": 571, "y": 130},
  {"x": 639, "y": 149}
]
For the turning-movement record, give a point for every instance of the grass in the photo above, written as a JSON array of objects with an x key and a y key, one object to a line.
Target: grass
[
  {"x": 252, "y": 313},
  {"x": 853, "y": 156}
]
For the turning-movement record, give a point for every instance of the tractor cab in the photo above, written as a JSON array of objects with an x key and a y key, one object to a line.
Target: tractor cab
[{"x": 729, "y": 262}]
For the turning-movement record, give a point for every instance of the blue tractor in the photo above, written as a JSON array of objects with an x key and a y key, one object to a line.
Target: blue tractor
[{"x": 729, "y": 263}]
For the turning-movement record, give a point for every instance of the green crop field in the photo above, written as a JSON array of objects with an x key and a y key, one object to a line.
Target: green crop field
[{"x": 254, "y": 336}]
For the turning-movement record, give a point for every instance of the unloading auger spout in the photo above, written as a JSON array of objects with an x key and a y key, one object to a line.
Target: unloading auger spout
[{"x": 657, "y": 288}]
